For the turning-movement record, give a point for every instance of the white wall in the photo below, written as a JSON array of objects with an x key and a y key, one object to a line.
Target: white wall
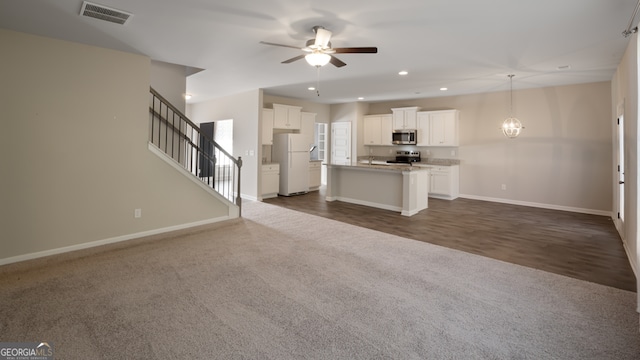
[
  {"x": 170, "y": 80},
  {"x": 353, "y": 113},
  {"x": 245, "y": 109},
  {"x": 561, "y": 160},
  {"x": 74, "y": 139},
  {"x": 625, "y": 89}
]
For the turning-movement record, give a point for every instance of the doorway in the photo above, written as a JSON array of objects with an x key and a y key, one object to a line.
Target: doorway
[
  {"x": 206, "y": 155},
  {"x": 620, "y": 159},
  {"x": 320, "y": 152},
  {"x": 220, "y": 131}
]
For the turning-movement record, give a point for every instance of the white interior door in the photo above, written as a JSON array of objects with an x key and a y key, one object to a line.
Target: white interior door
[{"x": 341, "y": 143}]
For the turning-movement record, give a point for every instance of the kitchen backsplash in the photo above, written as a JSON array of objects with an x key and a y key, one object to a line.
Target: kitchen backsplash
[{"x": 425, "y": 152}]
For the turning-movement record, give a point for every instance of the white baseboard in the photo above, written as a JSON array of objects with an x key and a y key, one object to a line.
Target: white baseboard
[
  {"x": 249, "y": 197},
  {"x": 409, "y": 213},
  {"x": 632, "y": 259},
  {"x": 539, "y": 205},
  {"x": 112, "y": 240}
]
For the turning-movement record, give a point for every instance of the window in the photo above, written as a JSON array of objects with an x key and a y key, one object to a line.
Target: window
[{"x": 223, "y": 135}]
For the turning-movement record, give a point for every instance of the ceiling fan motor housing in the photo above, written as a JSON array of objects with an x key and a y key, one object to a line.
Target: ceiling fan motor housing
[{"x": 311, "y": 45}]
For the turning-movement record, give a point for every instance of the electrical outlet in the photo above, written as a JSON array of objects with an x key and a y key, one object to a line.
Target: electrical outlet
[
  {"x": 504, "y": 186},
  {"x": 137, "y": 213},
  {"x": 453, "y": 153}
]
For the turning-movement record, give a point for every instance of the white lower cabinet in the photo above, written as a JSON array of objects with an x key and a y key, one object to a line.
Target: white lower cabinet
[
  {"x": 270, "y": 180},
  {"x": 444, "y": 181},
  {"x": 315, "y": 175}
]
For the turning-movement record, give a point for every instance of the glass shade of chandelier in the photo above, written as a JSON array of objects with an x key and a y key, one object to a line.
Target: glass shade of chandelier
[{"x": 511, "y": 127}]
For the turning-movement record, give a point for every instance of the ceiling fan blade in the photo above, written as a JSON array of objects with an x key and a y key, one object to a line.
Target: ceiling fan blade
[
  {"x": 357, "y": 50},
  {"x": 274, "y": 44},
  {"x": 322, "y": 37},
  {"x": 337, "y": 62},
  {"x": 294, "y": 59}
]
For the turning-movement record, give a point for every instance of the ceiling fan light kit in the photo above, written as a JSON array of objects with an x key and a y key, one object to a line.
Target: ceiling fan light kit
[{"x": 318, "y": 59}]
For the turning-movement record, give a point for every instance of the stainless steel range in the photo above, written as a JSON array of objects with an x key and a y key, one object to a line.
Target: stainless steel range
[{"x": 405, "y": 157}]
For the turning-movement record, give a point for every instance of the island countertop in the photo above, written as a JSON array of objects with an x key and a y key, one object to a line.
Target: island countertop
[{"x": 388, "y": 167}]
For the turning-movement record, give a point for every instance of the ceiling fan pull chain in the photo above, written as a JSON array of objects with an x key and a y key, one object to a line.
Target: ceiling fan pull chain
[{"x": 318, "y": 81}]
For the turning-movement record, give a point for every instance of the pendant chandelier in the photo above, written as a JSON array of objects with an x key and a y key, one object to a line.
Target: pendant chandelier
[{"x": 511, "y": 127}]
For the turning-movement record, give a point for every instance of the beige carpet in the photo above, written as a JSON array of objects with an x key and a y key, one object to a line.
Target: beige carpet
[{"x": 279, "y": 284}]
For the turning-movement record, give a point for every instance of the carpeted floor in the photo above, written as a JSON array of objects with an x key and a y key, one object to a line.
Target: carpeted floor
[{"x": 280, "y": 284}]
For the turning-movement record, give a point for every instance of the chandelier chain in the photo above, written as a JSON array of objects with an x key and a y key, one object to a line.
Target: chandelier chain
[
  {"x": 511, "y": 127},
  {"x": 511, "y": 96}
]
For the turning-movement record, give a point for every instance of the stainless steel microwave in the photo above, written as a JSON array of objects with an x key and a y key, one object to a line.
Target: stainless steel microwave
[{"x": 404, "y": 137}]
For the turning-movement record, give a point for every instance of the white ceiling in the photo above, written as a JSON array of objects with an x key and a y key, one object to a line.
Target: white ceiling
[{"x": 468, "y": 46}]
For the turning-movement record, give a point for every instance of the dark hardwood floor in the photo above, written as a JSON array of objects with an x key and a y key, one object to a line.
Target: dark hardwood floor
[{"x": 581, "y": 246}]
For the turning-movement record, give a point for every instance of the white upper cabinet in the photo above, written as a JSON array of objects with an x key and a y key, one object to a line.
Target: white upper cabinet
[
  {"x": 378, "y": 129},
  {"x": 405, "y": 118},
  {"x": 423, "y": 129},
  {"x": 286, "y": 117},
  {"x": 438, "y": 128},
  {"x": 443, "y": 128},
  {"x": 267, "y": 126},
  {"x": 308, "y": 126}
]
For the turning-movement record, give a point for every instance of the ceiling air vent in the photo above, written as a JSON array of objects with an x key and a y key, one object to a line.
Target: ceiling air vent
[{"x": 104, "y": 13}]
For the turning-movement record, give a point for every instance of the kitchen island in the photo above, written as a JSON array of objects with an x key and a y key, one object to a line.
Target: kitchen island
[{"x": 402, "y": 188}]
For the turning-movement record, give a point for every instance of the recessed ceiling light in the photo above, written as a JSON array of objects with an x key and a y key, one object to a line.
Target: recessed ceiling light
[
  {"x": 360, "y": 98},
  {"x": 187, "y": 96},
  {"x": 311, "y": 88},
  {"x": 443, "y": 89},
  {"x": 403, "y": 72}
]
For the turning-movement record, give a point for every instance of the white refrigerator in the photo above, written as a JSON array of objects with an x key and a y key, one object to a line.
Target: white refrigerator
[{"x": 291, "y": 151}]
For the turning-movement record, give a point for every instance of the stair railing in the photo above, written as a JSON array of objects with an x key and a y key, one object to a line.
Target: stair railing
[{"x": 182, "y": 140}]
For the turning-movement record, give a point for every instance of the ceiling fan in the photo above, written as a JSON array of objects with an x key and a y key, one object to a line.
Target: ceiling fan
[{"x": 319, "y": 50}]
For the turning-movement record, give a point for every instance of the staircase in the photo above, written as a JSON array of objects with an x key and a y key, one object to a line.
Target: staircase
[{"x": 181, "y": 140}]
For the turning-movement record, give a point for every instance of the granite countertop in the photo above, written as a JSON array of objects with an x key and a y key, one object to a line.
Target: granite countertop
[
  {"x": 425, "y": 161},
  {"x": 395, "y": 167}
]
